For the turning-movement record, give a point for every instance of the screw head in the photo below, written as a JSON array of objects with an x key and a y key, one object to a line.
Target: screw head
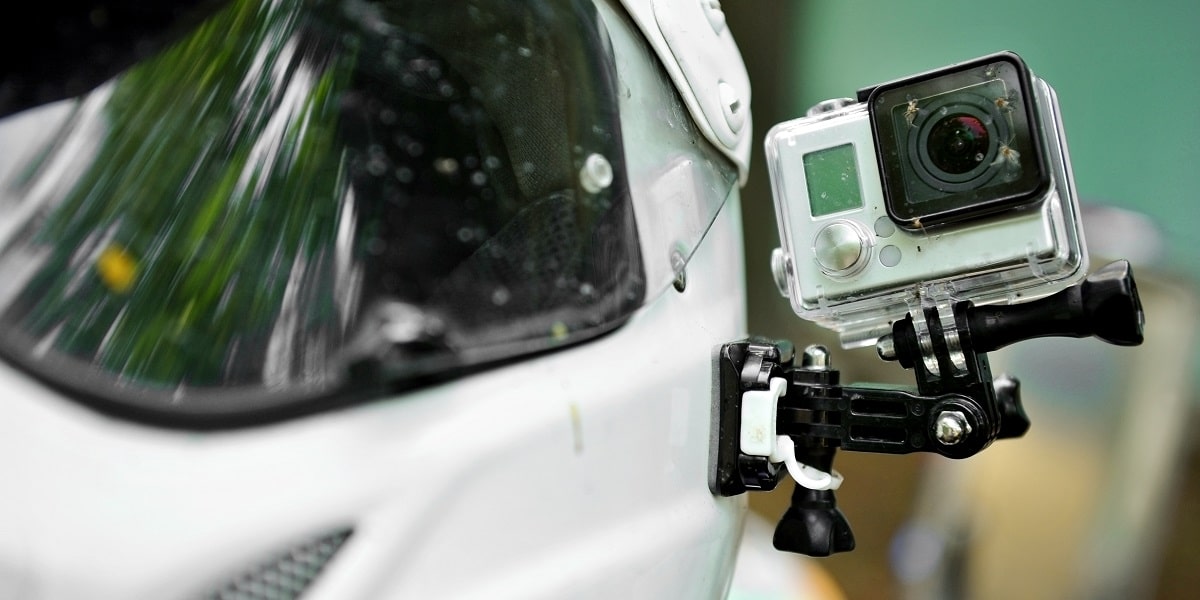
[
  {"x": 596, "y": 174},
  {"x": 951, "y": 427},
  {"x": 732, "y": 105},
  {"x": 815, "y": 358},
  {"x": 678, "y": 264}
]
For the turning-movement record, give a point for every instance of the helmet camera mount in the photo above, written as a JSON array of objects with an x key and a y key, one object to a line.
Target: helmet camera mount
[{"x": 775, "y": 416}]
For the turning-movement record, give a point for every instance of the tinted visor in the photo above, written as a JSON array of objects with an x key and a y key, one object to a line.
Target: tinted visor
[{"x": 301, "y": 202}]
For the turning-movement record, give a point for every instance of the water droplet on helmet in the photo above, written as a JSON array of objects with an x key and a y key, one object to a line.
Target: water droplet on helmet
[
  {"x": 376, "y": 246},
  {"x": 559, "y": 331},
  {"x": 446, "y": 166},
  {"x": 500, "y": 296}
]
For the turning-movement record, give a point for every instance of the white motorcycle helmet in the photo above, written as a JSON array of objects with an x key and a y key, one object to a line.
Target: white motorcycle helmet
[{"x": 351, "y": 299}]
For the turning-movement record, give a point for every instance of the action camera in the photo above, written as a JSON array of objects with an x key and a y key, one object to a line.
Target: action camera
[{"x": 949, "y": 185}]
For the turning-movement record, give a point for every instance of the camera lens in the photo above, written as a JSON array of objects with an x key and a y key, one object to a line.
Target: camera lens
[
  {"x": 957, "y": 143},
  {"x": 952, "y": 150}
]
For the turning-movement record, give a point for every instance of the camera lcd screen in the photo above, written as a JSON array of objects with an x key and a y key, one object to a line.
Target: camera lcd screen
[
  {"x": 832, "y": 176},
  {"x": 958, "y": 143}
]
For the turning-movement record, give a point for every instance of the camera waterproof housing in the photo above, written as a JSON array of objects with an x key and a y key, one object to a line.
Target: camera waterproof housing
[{"x": 945, "y": 186}]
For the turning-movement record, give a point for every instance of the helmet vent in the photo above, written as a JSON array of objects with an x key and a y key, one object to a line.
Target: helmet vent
[{"x": 284, "y": 576}]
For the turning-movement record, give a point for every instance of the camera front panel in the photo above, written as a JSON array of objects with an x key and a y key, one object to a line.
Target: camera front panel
[{"x": 959, "y": 143}]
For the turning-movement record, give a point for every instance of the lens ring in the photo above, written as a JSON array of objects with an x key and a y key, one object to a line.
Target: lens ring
[{"x": 970, "y": 106}]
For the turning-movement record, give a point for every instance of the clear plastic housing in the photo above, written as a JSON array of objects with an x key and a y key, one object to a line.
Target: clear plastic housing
[{"x": 851, "y": 269}]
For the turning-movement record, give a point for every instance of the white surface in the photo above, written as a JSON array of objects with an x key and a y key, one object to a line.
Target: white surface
[
  {"x": 678, "y": 181},
  {"x": 579, "y": 474},
  {"x": 703, "y": 60}
]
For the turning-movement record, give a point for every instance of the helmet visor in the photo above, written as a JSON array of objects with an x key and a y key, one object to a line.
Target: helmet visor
[{"x": 295, "y": 201}]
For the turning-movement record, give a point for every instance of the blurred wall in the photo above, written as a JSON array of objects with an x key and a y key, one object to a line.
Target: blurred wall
[{"x": 1125, "y": 73}]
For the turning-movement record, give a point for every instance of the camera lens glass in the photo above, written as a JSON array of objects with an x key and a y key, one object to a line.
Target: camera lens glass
[{"x": 957, "y": 143}]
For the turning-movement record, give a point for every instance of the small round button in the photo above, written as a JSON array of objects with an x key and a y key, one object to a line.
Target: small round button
[
  {"x": 840, "y": 248},
  {"x": 889, "y": 256},
  {"x": 884, "y": 227}
]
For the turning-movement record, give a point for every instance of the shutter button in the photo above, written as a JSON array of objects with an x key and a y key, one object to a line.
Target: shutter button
[{"x": 841, "y": 249}]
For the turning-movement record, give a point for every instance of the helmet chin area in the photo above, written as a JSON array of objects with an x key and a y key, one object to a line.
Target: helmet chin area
[{"x": 577, "y": 473}]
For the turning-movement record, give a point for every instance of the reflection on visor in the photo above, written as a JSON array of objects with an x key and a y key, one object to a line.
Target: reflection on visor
[{"x": 293, "y": 189}]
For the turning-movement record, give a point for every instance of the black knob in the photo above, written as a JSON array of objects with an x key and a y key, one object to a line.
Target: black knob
[
  {"x": 1112, "y": 304},
  {"x": 1013, "y": 420},
  {"x": 813, "y": 525},
  {"x": 1105, "y": 305}
]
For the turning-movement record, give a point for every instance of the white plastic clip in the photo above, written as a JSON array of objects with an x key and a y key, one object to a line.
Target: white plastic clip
[
  {"x": 760, "y": 409},
  {"x": 805, "y": 476}
]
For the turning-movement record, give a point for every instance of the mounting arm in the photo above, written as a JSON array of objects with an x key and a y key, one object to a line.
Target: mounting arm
[{"x": 773, "y": 416}]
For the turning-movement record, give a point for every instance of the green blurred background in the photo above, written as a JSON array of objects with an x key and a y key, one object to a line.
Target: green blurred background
[
  {"x": 1126, "y": 80},
  {"x": 1125, "y": 74}
]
